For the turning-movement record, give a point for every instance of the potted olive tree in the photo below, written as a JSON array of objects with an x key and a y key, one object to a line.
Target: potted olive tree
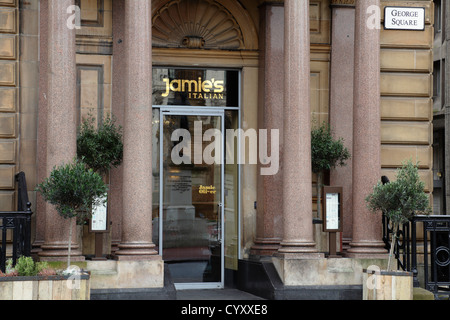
[
  {"x": 100, "y": 146},
  {"x": 326, "y": 153},
  {"x": 400, "y": 201},
  {"x": 72, "y": 189}
]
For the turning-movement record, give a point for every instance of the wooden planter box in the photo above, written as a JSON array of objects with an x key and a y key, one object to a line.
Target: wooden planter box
[
  {"x": 387, "y": 285},
  {"x": 45, "y": 288}
]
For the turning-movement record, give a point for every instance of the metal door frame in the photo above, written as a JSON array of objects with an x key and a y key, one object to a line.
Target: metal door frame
[{"x": 177, "y": 111}]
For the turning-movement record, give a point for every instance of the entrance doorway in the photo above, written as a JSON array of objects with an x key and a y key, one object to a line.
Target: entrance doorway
[
  {"x": 196, "y": 174},
  {"x": 192, "y": 198}
]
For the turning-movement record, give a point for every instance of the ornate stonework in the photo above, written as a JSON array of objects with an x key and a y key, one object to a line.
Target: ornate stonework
[
  {"x": 340, "y": 2},
  {"x": 196, "y": 24}
]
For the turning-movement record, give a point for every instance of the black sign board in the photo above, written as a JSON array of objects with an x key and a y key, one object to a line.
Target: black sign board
[{"x": 195, "y": 87}]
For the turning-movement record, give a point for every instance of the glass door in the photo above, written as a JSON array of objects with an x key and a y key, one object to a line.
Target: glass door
[{"x": 191, "y": 197}]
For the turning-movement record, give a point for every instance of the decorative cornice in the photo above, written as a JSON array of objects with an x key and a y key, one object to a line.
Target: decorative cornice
[{"x": 342, "y": 2}]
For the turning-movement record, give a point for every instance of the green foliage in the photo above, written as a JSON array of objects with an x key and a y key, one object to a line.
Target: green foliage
[
  {"x": 100, "y": 148},
  {"x": 25, "y": 267},
  {"x": 73, "y": 188},
  {"x": 401, "y": 199},
  {"x": 326, "y": 152},
  {"x": 9, "y": 268}
]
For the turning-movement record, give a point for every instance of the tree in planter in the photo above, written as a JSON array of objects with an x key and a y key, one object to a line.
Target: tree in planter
[
  {"x": 326, "y": 153},
  {"x": 73, "y": 188},
  {"x": 100, "y": 148},
  {"x": 400, "y": 200}
]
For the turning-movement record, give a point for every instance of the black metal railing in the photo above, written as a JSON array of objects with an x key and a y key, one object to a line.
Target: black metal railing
[
  {"x": 15, "y": 227},
  {"x": 18, "y": 243},
  {"x": 436, "y": 250},
  {"x": 402, "y": 249}
]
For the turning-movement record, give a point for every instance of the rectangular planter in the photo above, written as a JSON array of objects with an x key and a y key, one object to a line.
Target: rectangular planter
[
  {"x": 45, "y": 288},
  {"x": 387, "y": 285}
]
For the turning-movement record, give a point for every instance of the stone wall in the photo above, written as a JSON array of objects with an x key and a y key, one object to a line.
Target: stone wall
[
  {"x": 9, "y": 102},
  {"x": 406, "y": 95}
]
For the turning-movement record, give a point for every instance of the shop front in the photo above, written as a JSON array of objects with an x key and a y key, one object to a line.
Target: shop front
[{"x": 196, "y": 173}]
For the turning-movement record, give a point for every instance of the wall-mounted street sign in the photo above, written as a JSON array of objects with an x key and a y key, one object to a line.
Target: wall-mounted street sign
[{"x": 404, "y": 18}]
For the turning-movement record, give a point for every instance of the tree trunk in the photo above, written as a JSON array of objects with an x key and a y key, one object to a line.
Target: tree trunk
[
  {"x": 70, "y": 243},
  {"x": 391, "y": 250},
  {"x": 319, "y": 194}
]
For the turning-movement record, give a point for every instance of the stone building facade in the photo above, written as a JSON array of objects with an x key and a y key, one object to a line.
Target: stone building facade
[{"x": 277, "y": 65}]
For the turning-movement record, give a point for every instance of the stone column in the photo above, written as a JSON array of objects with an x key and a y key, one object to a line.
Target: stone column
[
  {"x": 366, "y": 241},
  {"x": 270, "y": 187},
  {"x": 118, "y": 109},
  {"x": 298, "y": 237},
  {"x": 60, "y": 125},
  {"x": 136, "y": 240},
  {"x": 341, "y": 101}
]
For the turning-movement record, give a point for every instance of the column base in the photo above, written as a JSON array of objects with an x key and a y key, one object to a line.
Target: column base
[
  {"x": 298, "y": 250},
  {"x": 367, "y": 250},
  {"x": 299, "y": 255},
  {"x": 265, "y": 246},
  {"x": 135, "y": 251},
  {"x": 60, "y": 252},
  {"x": 114, "y": 247}
]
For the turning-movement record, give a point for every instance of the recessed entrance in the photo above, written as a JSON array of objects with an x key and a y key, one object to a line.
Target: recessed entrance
[
  {"x": 196, "y": 174},
  {"x": 192, "y": 197}
]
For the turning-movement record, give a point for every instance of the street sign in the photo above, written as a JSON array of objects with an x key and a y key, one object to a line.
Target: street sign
[{"x": 404, "y": 18}]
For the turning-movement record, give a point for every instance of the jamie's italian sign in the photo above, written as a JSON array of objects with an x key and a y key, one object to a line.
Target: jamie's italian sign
[
  {"x": 403, "y": 18},
  {"x": 195, "y": 87}
]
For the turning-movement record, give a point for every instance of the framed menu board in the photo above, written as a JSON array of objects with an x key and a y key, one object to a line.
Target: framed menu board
[
  {"x": 332, "y": 209},
  {"x": 99, "y": 221}
]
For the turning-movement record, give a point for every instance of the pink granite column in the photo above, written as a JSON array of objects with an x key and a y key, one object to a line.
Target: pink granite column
[
  {"x": 269, "y": 212},
  {"x": 118, "y": 109},
  {"x": 297, "y": 191},
  {"x": 341, "y": 103},
  {"x": 136, "y": 240},
  {"x": 366, "y": 241},
  {"x": 60, "y": 123}
]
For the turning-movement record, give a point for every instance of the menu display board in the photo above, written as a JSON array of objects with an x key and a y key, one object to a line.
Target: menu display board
[
  {"x": 99, "y": 219},
  {"x": 332, "y": 208}
]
